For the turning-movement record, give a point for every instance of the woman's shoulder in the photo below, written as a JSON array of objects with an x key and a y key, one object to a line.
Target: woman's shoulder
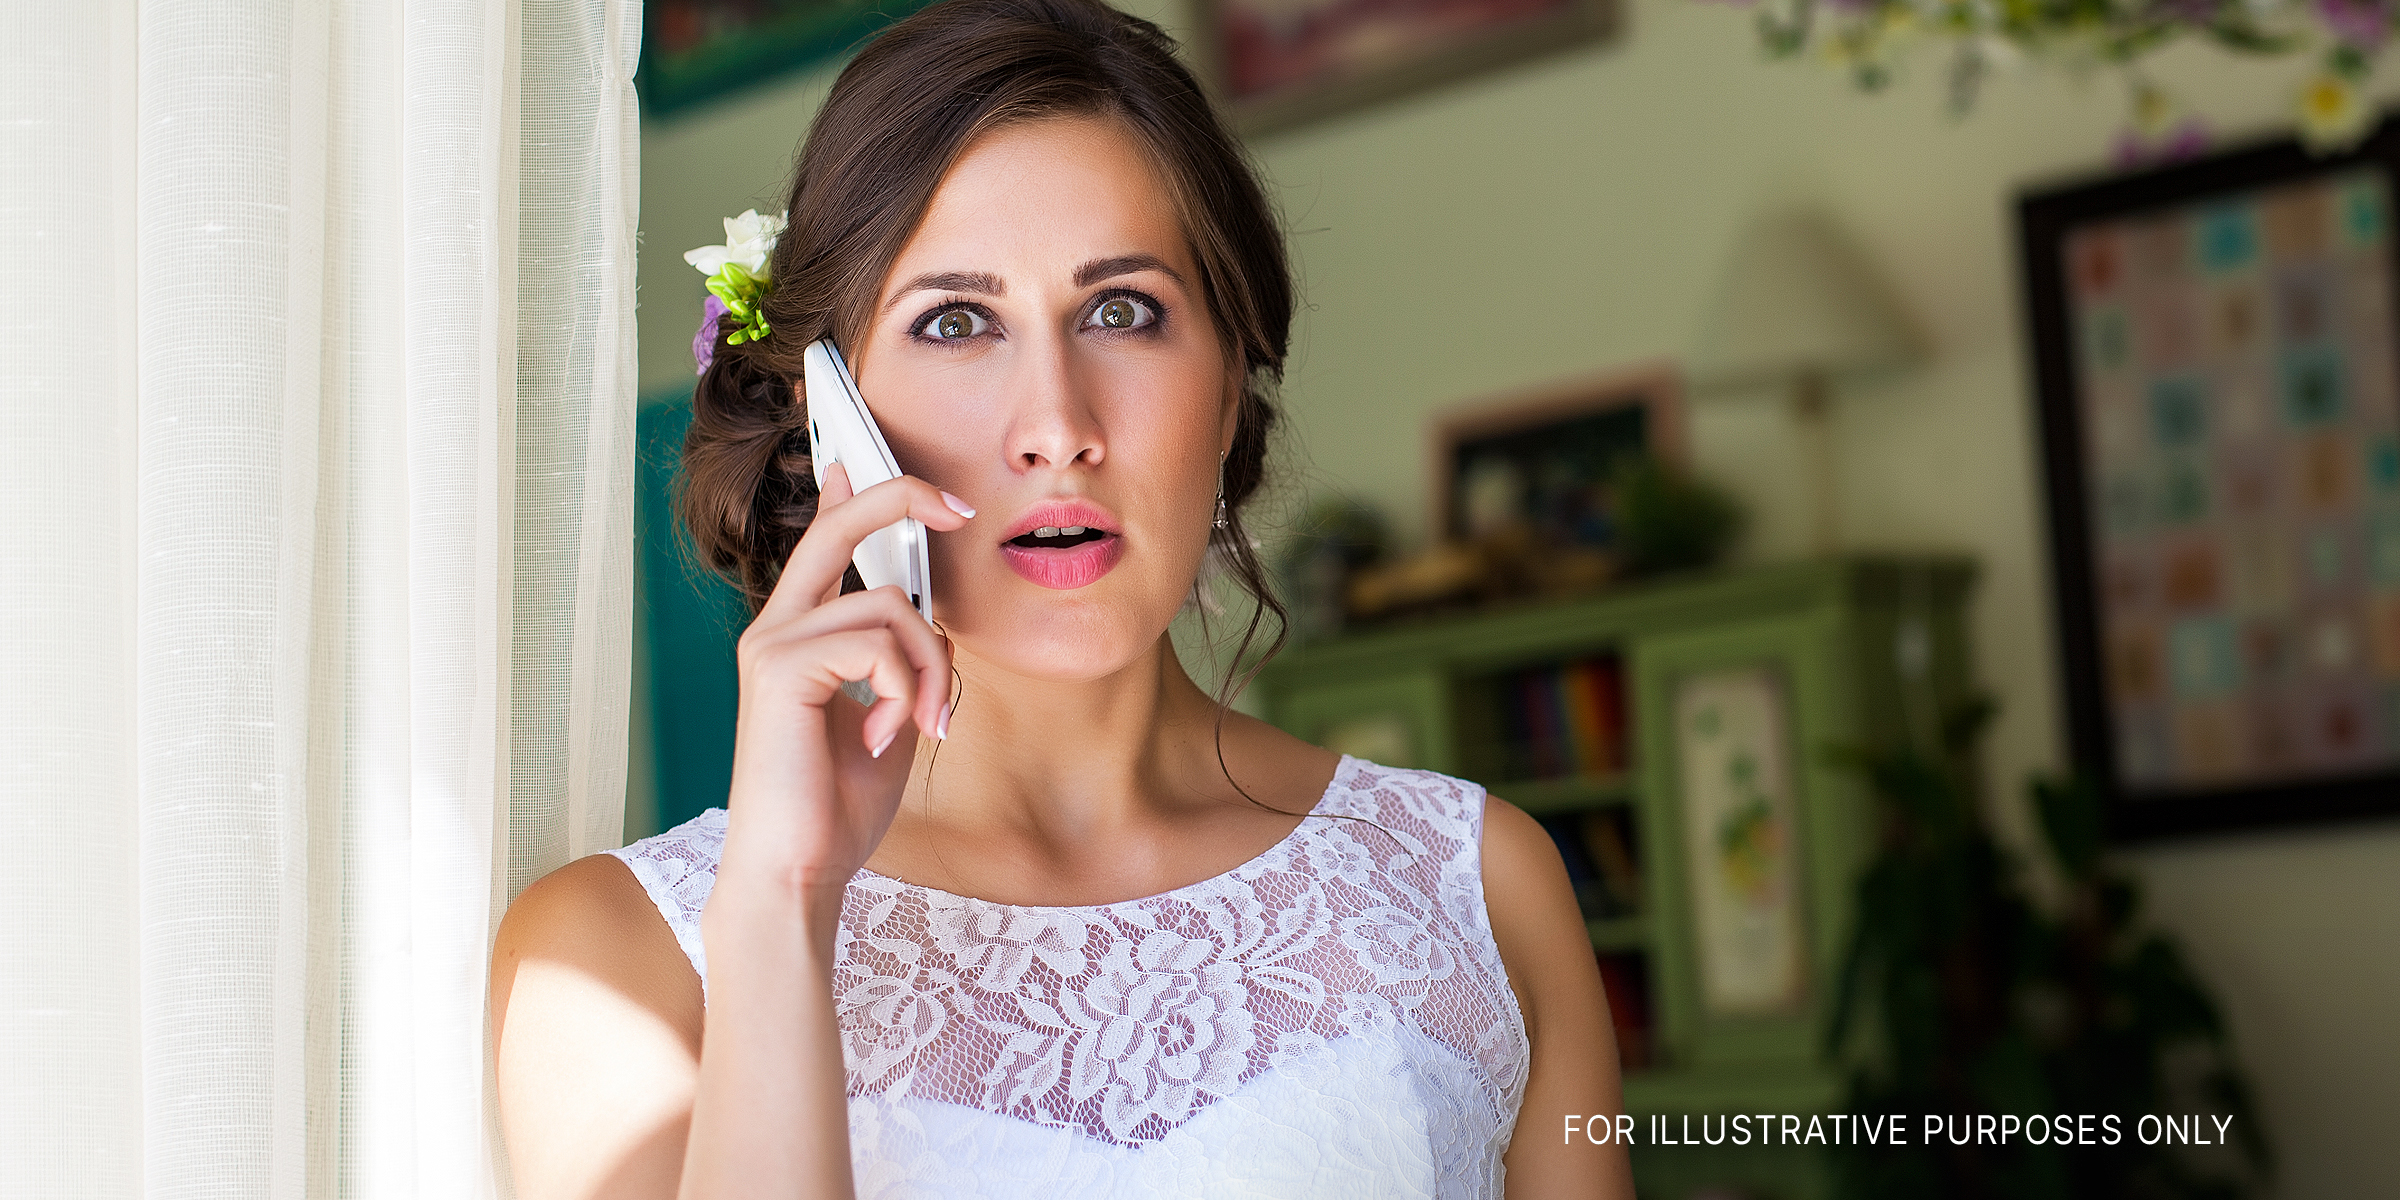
[
  {"x": 594, "y": 921},
  {"x": 635, "y": 909},
  {"x": 1446, "y": 804},
  {"x": 1337, "y": 783},
  {"x": 596, "y": 1021},
  {"x": 676, "y": 870},
  {"x": 593, "y": 898},
  {"x": 1523, "y": 882},
  {"x": 678, "y": 867}
]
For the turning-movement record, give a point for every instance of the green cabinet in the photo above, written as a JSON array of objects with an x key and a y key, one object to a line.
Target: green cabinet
[{"x": 1678, "y": 729}]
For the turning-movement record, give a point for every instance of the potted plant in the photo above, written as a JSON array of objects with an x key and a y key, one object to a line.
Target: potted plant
[{"x": 1960, "y": 996}]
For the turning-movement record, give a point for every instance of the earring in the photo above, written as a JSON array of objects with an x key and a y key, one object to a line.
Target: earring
[{"x": 1223, "y": 521}]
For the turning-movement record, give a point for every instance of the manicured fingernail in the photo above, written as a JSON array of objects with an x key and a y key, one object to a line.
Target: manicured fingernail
[
  {"x": 886, "y": 743},
  {"x": 957, "y": 505},
  {"x": 941, "y": 725}
]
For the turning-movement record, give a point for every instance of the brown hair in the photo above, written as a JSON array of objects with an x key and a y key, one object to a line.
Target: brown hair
[{"x": 899, "y": 116}]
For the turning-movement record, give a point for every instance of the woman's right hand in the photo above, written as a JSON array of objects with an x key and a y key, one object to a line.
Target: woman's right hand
[{"x": 817, "y": 777}]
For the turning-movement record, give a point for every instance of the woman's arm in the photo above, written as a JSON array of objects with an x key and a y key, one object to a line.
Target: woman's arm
[
  {"x": 599, "y": 1030},
  {"x": 814, "y": 790},
  {"x": 762, "y": 1111},
  {"x": 596, "y": 1020},
  {"x": 1557, "y": 980}
]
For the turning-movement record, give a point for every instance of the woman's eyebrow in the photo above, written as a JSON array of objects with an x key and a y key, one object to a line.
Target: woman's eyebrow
[
  {"x": 981, "y": 283},
  {"x": 1123, "y": 264},
  {"x": 984, "y": 283}
]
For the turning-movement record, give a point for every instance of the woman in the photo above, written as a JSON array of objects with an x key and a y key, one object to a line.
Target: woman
[{"x": 1070, "y": 928}]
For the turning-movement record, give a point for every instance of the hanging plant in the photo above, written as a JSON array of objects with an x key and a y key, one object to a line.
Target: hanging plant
[{"x": 1868, "y": 38}]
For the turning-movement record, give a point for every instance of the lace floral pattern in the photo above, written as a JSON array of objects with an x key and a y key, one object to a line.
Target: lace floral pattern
[{"x": 1125, "y": 1022}]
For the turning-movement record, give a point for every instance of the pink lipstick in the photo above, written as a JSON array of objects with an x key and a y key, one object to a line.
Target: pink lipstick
[{"x": 1063, "y": 544}]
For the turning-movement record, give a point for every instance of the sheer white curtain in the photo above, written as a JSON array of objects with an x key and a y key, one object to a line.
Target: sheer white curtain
[{"x": 316, "y": 450}]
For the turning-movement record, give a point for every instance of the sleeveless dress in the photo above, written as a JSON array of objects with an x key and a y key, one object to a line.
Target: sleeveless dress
[{"x": 1328, "y": 1019}]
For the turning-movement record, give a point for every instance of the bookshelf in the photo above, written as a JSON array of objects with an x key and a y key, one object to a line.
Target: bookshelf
[{"x": 1597, "y": 716}]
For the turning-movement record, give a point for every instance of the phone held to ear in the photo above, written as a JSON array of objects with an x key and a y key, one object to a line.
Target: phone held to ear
[{"x": 841, "y": 430}]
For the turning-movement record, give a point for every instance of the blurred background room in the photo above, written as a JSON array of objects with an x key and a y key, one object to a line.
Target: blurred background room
[{"x": 1649, "y": 378}]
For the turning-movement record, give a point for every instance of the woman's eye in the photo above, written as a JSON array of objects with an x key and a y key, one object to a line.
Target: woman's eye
[
  {"x": 1122, "y": 312},
  {"x": 954, "y": 325}
]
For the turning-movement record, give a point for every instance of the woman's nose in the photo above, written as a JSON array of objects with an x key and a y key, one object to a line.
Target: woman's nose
[{"x": 1055, "y": 423}]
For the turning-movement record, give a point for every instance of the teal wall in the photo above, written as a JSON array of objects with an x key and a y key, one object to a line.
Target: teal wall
[{"x": 688, "y": 621}]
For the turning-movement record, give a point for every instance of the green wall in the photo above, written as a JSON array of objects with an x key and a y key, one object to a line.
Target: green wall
[{"x": 1573, "y": 215}]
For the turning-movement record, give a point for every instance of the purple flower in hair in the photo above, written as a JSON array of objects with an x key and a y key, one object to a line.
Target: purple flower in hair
[{"x": 704, "y": 343}]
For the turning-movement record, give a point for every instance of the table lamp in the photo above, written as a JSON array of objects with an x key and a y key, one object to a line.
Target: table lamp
[{"x": 1798, "y": 310}]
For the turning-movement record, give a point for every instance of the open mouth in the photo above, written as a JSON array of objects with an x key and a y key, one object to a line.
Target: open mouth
[
  {"x": 1061, "y": 555},
  {"x": 1058, "y": 537}
]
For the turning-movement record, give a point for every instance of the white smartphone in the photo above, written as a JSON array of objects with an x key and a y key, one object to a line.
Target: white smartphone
[{"x": 841, "y": 430}]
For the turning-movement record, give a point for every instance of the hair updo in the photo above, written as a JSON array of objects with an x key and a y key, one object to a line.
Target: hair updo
[{"x": 899, "y": 116}]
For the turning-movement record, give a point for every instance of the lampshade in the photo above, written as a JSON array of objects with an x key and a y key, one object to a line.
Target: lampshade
[{"x": 1798, "y": 302}]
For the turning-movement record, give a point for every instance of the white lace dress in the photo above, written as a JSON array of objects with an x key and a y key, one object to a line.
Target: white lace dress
[{"x": 1329, "y": 1019}]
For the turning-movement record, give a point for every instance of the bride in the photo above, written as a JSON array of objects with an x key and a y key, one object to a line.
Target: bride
[{"x": 1047, "y": 919}]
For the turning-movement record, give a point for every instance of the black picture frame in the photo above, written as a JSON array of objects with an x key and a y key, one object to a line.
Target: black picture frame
[
  {"x": 2046, "y": 218},
  {"x": 1577, "y": 426}
]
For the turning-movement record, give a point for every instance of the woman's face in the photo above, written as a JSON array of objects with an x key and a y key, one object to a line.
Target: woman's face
[{"x": 1042, "y": 350}]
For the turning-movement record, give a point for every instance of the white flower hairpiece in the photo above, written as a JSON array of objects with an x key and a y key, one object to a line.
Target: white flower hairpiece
[
  {"x": 737, "y": 281},
  {"x": 749, "y": 239}
]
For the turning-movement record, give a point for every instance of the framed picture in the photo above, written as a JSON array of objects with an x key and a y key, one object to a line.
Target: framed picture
[
  {"x": 1741, "y": 841},
  {"x": 694, "y": 51},
  {"x": 1541, "y": 457},
  {"x": 1277, "y": 63},
  {"x": 2214, "y": 350}
]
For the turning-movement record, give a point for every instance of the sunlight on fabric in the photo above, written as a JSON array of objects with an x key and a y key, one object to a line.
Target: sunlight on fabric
[
  {"x": 70, "y": 1031},
  {"x": 317, "y": 348}
]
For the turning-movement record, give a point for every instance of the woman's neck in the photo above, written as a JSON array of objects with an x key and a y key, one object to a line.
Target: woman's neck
[{"x": 1072, "y": 758}]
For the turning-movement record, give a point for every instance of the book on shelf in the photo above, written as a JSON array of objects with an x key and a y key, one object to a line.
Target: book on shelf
[{"x": 1565, "y": 719}]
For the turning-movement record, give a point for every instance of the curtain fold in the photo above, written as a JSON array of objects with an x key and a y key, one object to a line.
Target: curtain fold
[
  {"x": 316, "y": 352},
  {"x": 70, "y": 1023}
]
